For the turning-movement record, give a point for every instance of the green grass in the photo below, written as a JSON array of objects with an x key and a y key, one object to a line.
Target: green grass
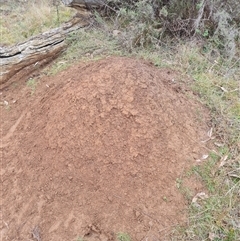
[
  {"x": 217, "y": 215},
  {"x": 32, "y": 84},
  {"x": 86, "y": 45},
  {"x": 123, "y": 237},
  {"x": 80, "y": 239}
]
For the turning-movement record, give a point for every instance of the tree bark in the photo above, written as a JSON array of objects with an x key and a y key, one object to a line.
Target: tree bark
[{"x": 36, "y": 49}]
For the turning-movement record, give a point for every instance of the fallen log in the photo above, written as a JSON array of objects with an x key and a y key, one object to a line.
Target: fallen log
[
  {"x": 38, "y": 48},
  {"x": 84, "y": 7},
  {"x": 88, "y": 4}
]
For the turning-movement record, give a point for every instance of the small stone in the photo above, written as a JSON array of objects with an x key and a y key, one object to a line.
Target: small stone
[{"x": 137, "y": 214}]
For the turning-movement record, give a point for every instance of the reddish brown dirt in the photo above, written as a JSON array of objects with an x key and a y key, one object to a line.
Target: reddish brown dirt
[{"x": 97, "y": 150}]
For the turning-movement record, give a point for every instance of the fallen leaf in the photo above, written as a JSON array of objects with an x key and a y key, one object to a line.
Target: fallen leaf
[
  {"x": 200, "y": 195},
  {"x": 223, "y": 161},
  {"x": 224, "y": 90},
  {"x": 204, "y": 157},
  {"x": 218, "y": 144},
  {"x": 210, "y": 132}
]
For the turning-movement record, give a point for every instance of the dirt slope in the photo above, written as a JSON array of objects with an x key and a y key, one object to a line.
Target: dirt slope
[{"x": 97, "y": 150}]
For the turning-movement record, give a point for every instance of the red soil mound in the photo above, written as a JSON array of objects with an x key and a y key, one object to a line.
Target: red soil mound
[{"x": 98, "y": 154}]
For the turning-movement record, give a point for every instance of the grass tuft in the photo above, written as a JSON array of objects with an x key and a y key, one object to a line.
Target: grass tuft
[
  {"x": 86, "y": 45},
  {"x": 123, "y": 237},
  {"x": 32, "y": 84}
]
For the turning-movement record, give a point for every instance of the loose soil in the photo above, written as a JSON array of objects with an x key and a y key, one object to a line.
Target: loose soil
[{"x": 96, "y": 150}]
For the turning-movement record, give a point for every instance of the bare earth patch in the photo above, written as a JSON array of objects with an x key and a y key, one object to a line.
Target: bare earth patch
[{"x": 97, "y": 150}]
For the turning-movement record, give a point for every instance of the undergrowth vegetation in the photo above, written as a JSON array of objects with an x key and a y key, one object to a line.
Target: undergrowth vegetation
[
  {"x": 200, "y": 40},
  {"x": 150, "y": 23}
]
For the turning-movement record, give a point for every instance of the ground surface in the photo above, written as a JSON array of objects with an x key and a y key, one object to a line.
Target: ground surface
[{"x": 97, "y": 150}]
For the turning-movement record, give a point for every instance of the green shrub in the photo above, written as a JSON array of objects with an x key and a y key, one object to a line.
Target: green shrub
[{"x": 146, "y": 23}]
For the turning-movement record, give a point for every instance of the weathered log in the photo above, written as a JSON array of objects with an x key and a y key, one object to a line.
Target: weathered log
[
  {"x": 88, "y": 4},
  {"x": 36, "y": 49}
]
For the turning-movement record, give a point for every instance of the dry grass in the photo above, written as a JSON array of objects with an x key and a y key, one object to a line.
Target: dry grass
[
  {"x": 24, "y": 19},
  {"x": 217, "y": 217}
]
